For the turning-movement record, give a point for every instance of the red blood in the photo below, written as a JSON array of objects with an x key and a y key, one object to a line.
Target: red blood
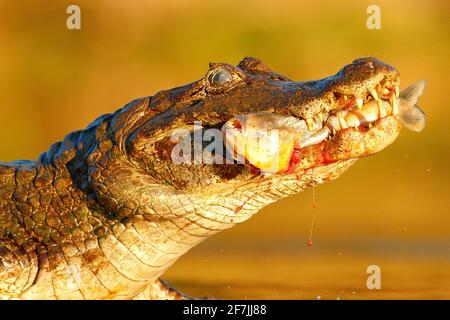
[
  {"x": 254, "y": 170},
  {"x": 237, "y": 124},
  {"x": 295, "y": 158},
  {"x": 293, "y": 162},
  {"x": 309, "y": 243}
]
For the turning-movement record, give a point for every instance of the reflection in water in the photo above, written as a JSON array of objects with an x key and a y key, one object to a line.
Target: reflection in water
[{"x": 408, "y": 271}]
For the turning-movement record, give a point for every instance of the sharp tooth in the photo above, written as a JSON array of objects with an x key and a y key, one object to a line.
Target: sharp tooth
[
  {"x": 345, "y": 97},
  {"x": 342, "y": 122},
  {"x": 359, "y": 103},
  {"x": 352, "y": 120},
  {"x": 374, "y": 94},
  {"x": 395, "y": 106},
  {"x": 397, "y": 91},
  {"x": 391, "y": 101},
  {"x": 385, "y": 91},
  {"x": 310, "y": 124},
  {"x": 370, "y": 125},
  {"x": 382, "y": 111},
  {"x": 333, "y": 123},
  {"x": 379, "y": 103},
  {"x": 320, "y": 116},
  {"x": 317, "y": 121}
]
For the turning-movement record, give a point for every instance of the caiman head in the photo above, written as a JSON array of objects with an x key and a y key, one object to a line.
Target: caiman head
[
  {"x": 184, "y": 157},
  {"x": 267, "y": 123}
]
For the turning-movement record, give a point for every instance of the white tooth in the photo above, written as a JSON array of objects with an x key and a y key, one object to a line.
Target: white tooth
[
  {"x": 385, "y": 91},
  {"x": 320, "y": 116},
  {"x": 342, "y": 122},
  {"x": 318, "y": 122},
  {"x": 397, "y": 91},
  {"x": 310, "y": 124},
  {"x": 395, "y": 106},
  {"x": 381, "y": 110},
  {"x": 352, "y": 120},
  {"x": 333, "y": 123},
  {"x": 359, "y": 102},
  {"x": 319, "y": 136},
  {"x": 391, "y": 101},
  {"x": 374, "y": 94}
]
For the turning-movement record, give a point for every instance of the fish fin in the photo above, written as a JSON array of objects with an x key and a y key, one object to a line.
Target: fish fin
[{"x": 410, "y": 114}]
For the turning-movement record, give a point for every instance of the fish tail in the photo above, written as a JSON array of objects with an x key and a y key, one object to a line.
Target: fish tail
[{"x": 410, "y": 113}]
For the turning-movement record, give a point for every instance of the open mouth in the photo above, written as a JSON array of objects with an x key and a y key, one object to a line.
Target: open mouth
[{"x": 273, "y": 142}]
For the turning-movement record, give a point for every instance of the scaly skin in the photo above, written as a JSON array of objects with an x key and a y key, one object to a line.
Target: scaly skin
[{"x": 105, "y": 212}]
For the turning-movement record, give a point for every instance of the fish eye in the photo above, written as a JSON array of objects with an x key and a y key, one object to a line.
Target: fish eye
[{"x": 220, "y": 76}]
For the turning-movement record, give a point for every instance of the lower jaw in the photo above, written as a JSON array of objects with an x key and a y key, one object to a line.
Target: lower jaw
[{"x": 347, "y": 144}]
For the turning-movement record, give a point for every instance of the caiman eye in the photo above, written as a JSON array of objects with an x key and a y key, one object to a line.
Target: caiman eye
[{"x": 220, "y": 76}]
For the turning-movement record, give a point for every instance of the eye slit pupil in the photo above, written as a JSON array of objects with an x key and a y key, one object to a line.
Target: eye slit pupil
[{"x": 221, "y": 76}]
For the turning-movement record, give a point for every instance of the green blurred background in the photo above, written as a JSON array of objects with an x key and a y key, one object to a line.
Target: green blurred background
[{"x": 391, "y": 209}]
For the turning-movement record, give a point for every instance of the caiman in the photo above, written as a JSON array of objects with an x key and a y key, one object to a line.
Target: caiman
[{"x": 104, "y": 212}]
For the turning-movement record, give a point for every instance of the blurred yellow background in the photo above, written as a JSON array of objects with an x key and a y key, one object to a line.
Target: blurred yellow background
[{"x": 391, "y": 209}]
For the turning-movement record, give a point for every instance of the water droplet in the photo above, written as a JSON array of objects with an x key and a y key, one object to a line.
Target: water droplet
[{"x": 314, "y": 206}]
